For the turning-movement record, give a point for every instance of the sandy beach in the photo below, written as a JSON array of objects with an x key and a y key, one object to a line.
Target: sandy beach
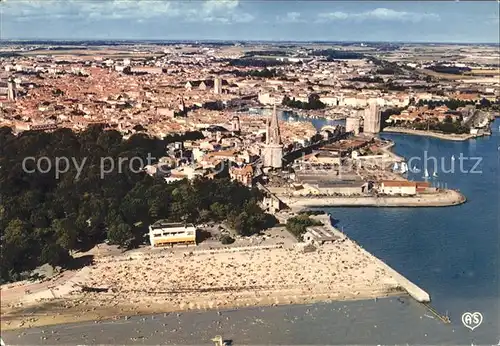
[{"x": 180, "y": 281}]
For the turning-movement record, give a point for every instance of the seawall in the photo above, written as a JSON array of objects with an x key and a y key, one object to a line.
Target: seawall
[
  {"x": 445, "y": 136},
  {"x": 413, "y": 290},
  {"x": 444, "y": 198}
]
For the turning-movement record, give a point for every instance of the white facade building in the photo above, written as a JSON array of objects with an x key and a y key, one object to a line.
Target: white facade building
[{"x": 163, "y": 233}]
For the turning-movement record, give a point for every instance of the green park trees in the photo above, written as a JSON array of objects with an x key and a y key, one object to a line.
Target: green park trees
[
  {"x": 45, "y": 217},
  {"x": 297, "y": 225}
]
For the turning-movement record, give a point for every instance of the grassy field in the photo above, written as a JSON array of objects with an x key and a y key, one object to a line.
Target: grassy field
[
  {"x": 477, "y": 72},
  {"x": 104, "y": 51},
  {"x": 448, "y": 76}
]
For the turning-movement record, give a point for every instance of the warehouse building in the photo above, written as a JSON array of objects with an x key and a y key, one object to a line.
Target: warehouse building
[{"x": 163, "y": 233}]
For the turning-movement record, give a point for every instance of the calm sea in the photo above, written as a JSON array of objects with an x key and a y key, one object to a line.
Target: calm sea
[{"x": 453, "y": 253}]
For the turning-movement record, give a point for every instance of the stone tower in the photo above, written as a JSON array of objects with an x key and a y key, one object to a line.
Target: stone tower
[
  {"x": 372, "y": 118},
  {"x": 217, "y": 85},
  {"x": 352, "y": 124},
  {"x": 235, "y": 124},
  {"x": 273, "y": 149}
]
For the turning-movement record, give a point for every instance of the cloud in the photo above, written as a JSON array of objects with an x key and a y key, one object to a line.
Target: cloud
[
  {"x": 493, "y": 21},
  {"x": 290, "y": 17},
  {"x": 220, "y": 5},
  {"x": 324, "y": 17},
  {"x": 222, "y": 11},
  {"x": 217, "y": 11},
  {"x": 381, "y": 14}
]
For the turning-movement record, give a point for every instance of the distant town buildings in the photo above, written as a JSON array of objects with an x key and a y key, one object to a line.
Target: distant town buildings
[{"x": 190, "y": 88}]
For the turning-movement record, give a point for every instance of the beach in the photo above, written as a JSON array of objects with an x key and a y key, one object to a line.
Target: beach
[{"x": 199, "y": 280}]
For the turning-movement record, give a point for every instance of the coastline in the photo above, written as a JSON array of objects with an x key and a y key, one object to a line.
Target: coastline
[
  {"x": 445, "y": 198},
  {"x": 214, "y": 280},
  {"x": 57, "y": 312},
  {"x": 444, "y": 136}
]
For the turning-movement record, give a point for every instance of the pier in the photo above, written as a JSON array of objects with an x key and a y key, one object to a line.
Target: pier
[
  {"x": 444, "y": 198},
  {"x": 444, "y": 318}
]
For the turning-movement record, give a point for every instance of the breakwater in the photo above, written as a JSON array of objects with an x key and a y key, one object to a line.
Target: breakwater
[
  {"x": 412, "y": 289},
  {"x": 445, "y": 136},
  {"x": 443, "y": 198}
]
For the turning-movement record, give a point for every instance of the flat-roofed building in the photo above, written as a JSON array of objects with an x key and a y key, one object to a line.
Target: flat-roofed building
[
  {"x": 342, "y": 188},
  {"x": 163, "y": 233},
  {"x": 398, "y": 187},
  {"x": 319, "y": 235}
]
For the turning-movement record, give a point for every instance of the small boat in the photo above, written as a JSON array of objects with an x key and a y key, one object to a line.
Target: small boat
[
  {"x": 404, "y": 167},
  {"x": 395, "y": 167},
  {"x": 452, "y": 157},
  {"x": 426, "y": 174},
  {"x": 434, "y": 175},
  {"x": 415, "y": 169}
]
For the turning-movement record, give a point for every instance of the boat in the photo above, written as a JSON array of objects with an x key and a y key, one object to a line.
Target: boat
[
  {"x": 395, "y": 167},
  {"x": 415, "y": 169},
  {"x": 434, "y": 175},
  {"x": 404, "y": 167},
  {"x": 426, "y": 174},
  {"x": 452, "y": 157}
]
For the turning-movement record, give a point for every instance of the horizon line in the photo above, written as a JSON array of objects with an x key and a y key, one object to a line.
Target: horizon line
[{"x": 3, "y": 39}]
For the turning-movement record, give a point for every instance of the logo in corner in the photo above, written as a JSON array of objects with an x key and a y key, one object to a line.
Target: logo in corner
[{"x": 472, "y": 320}]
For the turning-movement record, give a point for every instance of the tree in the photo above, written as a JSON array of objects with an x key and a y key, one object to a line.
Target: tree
[
  {"x": 66, "y": 234},
  {"x": 484, "y": 103},
  {"x": 120, "y": 234},
  {"x": 17, "y": 234},
  {"x": 43, "y": 218},
  {"x": 297, "y": 225},
  {"x": 219, "y": 211}
]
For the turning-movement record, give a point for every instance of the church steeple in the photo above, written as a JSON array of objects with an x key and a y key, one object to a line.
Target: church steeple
[
  {"x": 273, "y": 150},
  {"x": 273, "y": 129}
]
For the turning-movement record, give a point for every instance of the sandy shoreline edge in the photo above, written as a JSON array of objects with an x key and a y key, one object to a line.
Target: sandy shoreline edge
[
  {"x": 56, "y": 312},
  {"x": 201, "y": 280}
]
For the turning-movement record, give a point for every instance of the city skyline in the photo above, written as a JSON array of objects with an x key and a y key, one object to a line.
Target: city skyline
[{"x": 382, "y": 21}]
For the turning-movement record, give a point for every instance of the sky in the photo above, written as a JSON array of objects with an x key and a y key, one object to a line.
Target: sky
[{"x": 266, "y": 20}]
